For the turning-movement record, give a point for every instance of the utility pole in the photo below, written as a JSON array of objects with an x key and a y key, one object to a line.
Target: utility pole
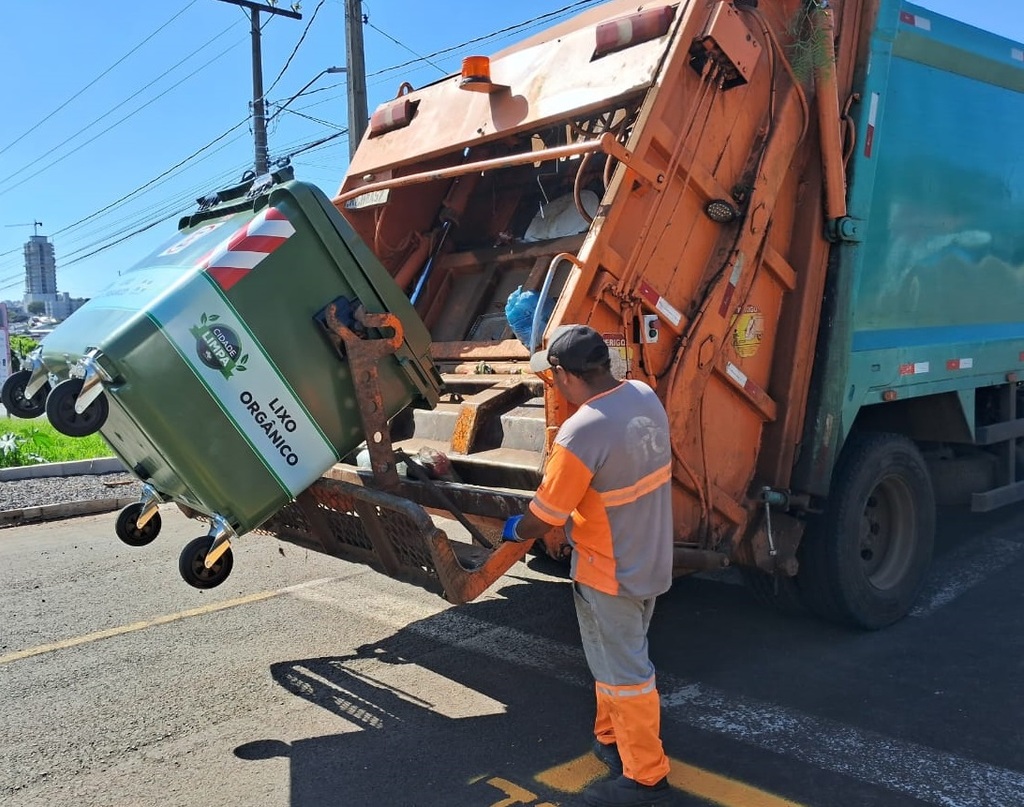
[
  {"x": 259, "y": 107},
  {"x": 356, "y": 69}
]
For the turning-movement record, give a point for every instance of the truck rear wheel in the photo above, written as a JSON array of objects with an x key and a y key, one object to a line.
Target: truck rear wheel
[{"x": 875, "y": 543}]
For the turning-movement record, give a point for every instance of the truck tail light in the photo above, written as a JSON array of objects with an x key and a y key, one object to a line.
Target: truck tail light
[
  {"x": 396, "y": 114},
  {"x": 625, "y": 32}
]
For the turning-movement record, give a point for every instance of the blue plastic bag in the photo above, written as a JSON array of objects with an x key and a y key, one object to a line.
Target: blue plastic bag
[{"x": 519, "y": 311}]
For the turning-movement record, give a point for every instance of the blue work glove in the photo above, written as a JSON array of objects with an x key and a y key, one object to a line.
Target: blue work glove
[{"x": 508, "y": 532}]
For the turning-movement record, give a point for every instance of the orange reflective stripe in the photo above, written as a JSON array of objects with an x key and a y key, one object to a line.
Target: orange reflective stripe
[
  {"x": 629, "y": 691},
  {"x": 650, "y": 483}
]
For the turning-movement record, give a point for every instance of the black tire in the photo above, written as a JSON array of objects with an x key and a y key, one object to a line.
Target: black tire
[
  {"x": 778, "y": 592},
  {"x": 877, "y": 535},
  {"x": 812, "y": 579},
  {"x": 128, "y": 530},
  {"x": 13, "y": 396},
  {"x": 60, "y": 410},
  {"x": 190, "y": 564}
]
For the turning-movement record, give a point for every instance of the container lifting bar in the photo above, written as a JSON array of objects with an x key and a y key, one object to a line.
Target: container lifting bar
[{"x": 605, "y": 143}]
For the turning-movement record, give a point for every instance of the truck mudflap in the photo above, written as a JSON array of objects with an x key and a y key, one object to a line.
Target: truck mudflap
[{"x": 392, "y": 535}]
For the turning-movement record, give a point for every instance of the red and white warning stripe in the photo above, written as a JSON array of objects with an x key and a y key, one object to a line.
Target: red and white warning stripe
[
  {"x": 959, "y": 364},
  {"x": 669, "y": 312},
  {"x": 917, "y": 368},
  {"x": 730, "y": 289},
  {"x": 916, "y": 20},
  {"x": 738, "y": 377},
  {"x": 247, "y": 248},
  {"x": 869, "y": 140}
]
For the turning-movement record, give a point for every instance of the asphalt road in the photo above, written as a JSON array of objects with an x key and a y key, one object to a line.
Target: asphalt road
[{"x": 305, "y": 681}]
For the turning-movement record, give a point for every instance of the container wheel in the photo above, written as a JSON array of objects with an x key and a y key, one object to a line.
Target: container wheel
[
  {"x": 876, "y": 538},
  {"x": 128, "y": 530},
  {"x": 193, "y": 572},
  {"x": 13, "y": 396},
  {"x": 60, "y": 409}
]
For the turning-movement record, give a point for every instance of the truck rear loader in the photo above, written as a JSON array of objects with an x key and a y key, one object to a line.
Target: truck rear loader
[{"x": 800, "y": 222}]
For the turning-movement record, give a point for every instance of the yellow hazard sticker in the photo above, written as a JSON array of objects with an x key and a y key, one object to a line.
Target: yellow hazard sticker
[
  {"x": 620, "y": 354},
  {"x": 748, "y": 331}
]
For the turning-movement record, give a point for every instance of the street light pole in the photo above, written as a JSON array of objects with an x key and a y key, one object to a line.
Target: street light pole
[{"x": 309, "y": 83}]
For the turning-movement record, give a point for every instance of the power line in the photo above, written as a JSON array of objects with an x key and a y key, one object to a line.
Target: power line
[
  {"x": 406, "y": 47},
  {"x": 315, "y": 120},
  {"x": 510, "y": 29},
  {"x": 155, "y": 179},
  {"x": 131, "y": 114},
  {"x": 113, "y": 109},
  {"x": 91, "y": 83},
  {"x": 295, "y": 50}
]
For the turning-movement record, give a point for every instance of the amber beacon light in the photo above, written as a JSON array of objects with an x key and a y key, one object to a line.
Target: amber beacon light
[{"x": 476, "y": 74}]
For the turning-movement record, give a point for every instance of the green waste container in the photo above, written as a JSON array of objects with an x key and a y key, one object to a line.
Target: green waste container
[{"x": 220, "y": 388}]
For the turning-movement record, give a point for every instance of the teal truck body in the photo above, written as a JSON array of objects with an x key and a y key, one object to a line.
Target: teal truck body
[{"x": 924, "y": 325}]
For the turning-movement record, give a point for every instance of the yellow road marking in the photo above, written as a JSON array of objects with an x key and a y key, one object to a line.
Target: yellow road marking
[
  {"x": 576, "y": 774},
  {"x": 160, "y": 620},
  {"x": 722, "y": 789}
]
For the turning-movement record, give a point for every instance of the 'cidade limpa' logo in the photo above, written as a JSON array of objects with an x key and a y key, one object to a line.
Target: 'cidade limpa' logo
[{"x": 217, "y": 346}]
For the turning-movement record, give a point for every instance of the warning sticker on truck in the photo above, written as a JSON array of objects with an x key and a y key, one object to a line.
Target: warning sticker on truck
[{"x": 748, "y": 331}]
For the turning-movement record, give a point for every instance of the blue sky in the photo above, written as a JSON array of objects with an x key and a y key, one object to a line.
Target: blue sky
[{"x": 99, "y": 102}]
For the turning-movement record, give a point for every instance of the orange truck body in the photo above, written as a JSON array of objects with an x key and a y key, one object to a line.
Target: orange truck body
[{"x": 675, "y": 176}]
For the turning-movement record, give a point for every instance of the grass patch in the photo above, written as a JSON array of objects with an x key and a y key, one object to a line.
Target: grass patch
[{"x": 28, "y": 442}]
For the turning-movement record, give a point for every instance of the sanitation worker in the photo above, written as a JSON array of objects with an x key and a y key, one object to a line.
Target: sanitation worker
[{"x": 607, "y": 480}]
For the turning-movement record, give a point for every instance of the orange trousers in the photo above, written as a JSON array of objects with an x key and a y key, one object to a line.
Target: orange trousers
[{"x": 630, "y": 717}]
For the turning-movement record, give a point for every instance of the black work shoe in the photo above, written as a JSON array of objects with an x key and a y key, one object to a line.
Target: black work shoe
[
  {"x": 609, "y": 755},
  {"x": 623, "y": 792}
]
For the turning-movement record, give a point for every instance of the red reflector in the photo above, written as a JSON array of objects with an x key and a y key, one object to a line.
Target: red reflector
[
  {"x": 391, "y": 116},
  {"x": 625, "y": 32}
]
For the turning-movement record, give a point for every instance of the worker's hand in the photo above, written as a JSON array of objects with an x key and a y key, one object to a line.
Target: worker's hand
[{"x": 509, "y": 533}]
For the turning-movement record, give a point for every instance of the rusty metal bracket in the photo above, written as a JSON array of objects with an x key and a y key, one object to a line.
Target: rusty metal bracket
[{"x": 363, "y": 356}]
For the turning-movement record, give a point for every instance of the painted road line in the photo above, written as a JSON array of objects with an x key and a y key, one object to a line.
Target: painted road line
[
  {"x": 160, "y": 620},
  {"x": 576, "y": 774},
  {"x": 933, "y": 776},
  {"x": 964, "y": 568}
]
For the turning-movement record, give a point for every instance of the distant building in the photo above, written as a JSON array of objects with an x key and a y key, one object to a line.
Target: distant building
[
  {"x": 40, "y": 267},
  {"x": 41, "y": 280}
]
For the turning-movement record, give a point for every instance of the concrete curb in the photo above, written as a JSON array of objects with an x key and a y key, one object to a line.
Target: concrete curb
[
  {"x": 52, "y": 512},
  {"x": 103, "y": 465}
]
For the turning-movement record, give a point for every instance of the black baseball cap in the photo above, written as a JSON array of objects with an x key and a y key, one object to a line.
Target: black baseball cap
[{"x": 577, "y": 348}]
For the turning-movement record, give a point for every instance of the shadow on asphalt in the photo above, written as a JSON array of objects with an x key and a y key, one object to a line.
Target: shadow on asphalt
[
  {"x": 401, "y": 751},
  {"x": 398, "y": 749}
]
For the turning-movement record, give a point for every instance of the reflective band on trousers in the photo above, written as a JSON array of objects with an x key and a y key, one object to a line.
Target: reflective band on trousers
[{"x": 626, "y": 692}]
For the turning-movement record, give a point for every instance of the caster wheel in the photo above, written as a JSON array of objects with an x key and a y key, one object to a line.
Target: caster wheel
[
  {"x": 13, "y": 396},
  {"x": 128, "y": 529},
  {"x": 60, "y": 409},
  {"x": 193, "y": 572}
]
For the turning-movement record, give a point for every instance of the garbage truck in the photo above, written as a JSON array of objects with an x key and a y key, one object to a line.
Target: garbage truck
[{"x": 797, "y": 220}]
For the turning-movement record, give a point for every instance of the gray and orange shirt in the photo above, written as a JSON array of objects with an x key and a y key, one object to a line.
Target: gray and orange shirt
[{"x": 608, "y": 480}]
